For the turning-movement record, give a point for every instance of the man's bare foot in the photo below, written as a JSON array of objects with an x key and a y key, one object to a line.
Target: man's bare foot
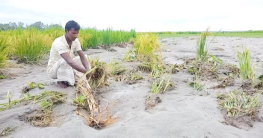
[{"x": 62, "y": 84}]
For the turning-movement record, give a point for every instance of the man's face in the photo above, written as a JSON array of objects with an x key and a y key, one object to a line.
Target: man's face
[{"x": 72, "y": 34}]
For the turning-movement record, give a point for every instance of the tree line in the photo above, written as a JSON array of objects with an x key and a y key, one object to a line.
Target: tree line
[{"x": 38, "y": 25}]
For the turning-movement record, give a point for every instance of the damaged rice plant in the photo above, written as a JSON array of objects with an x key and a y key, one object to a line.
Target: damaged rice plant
[
  {"x": 7, "y": 131},
  {"x": 196, "y": 85},
  {"x": 238, "y": 103},
  {"x": 45, "y": 100},
  {"x": 161, "y": 85},
  {"x": 116, "y": 68},
  {"x": 132, "y": 78}
]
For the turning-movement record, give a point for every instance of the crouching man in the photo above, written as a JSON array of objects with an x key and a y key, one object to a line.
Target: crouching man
[{"x": 63, "y": 64}]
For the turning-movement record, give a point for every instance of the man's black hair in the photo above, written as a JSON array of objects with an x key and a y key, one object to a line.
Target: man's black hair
[{"x": 72, "y": 24}]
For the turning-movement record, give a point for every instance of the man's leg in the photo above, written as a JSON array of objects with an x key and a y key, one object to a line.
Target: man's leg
[{"x": 63, "y": 73}]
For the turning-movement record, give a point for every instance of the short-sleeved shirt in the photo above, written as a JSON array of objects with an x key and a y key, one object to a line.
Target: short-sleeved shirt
[{"x": 60, "y": 46}]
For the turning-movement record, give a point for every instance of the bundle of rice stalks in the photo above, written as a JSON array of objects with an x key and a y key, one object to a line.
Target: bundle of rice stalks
[
  {"x": 98, "y": 75},
  {"x": 116, "y": 68},
  {"x": 96, "y": 118}
]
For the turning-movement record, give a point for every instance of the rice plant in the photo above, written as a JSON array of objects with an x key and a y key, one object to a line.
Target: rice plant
[
  {"x": 146, "y": 46},
  {"x": 201, "y": 45},
  {"x": 238, "y": 103},
  {"x": 32, "y": 46},
  {"x": 3, "y": 50},
  {"x": 247, "y": 70}
]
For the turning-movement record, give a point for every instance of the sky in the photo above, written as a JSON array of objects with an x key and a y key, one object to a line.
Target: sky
[{"x": 141, "y": 15}]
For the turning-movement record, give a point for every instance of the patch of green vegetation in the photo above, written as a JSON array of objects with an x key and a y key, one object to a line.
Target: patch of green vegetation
[
  {"x": 196, "y": 85},
  {"x": 46, "y": 99},
  {"x": 2, "y": 76},
  {"x": 238, "y": 103},
  {"x": 252, "y": 34},
  {"x": 247, "y": 70},
  {"x": 80, "y": 101},
  {"x": 161, "y": 85}
]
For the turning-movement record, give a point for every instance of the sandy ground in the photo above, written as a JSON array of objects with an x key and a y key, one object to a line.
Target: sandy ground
[{"x": 183, "y": 112}]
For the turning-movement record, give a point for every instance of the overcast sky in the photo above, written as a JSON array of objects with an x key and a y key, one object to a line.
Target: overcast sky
[{"x": 141, "y": 15}]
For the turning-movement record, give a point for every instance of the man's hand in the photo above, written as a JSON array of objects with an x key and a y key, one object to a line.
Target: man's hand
[
  {"x": 74, "y": 65},
  {"x": 84, "y": 60}
]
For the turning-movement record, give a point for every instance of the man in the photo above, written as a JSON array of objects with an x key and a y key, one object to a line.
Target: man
[{"x": 63, "y": 63}]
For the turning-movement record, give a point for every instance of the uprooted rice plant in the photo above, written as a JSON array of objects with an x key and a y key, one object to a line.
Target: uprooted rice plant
[
  {"x": 239, "y": 106},
  {"x": 96, "y": 117}
]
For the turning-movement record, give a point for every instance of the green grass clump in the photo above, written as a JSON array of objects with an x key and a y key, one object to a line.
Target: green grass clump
[
  {"x": 201, "y": 45},
  {"x": 247, "y": 70},
  {"x": 197, "y": 85},
  {"x": 238, "y": 103},
  {"x": 80, "y": 101},
  {"x": 161, "y": 85}
]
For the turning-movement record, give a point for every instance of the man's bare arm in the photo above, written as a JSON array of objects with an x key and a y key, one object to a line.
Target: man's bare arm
[
  {"x": 84, "y": 60},
  {"x": 74, "y": 65}
]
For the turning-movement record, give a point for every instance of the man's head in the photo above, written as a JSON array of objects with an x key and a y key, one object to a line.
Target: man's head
[{"x": 72, "y": 30}]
